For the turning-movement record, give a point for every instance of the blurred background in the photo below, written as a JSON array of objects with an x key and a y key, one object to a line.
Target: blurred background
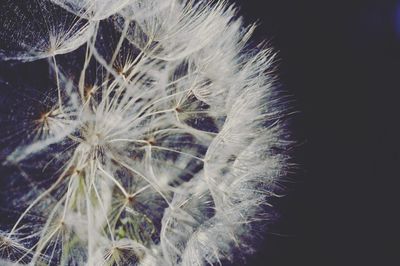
[{"x": 341, "y": 62}]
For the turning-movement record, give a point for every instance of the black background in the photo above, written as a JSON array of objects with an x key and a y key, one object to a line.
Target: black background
[{"x": 341, "y": 61}]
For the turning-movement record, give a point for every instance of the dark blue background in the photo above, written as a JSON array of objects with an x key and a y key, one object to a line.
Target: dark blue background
[{"x": 341, "y": 61}]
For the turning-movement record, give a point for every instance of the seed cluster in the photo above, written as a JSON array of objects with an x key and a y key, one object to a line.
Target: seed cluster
[{"x": 151, "y": 133}]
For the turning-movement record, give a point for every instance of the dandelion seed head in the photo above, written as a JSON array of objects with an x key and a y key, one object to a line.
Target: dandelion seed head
[{"x": 157, "y": 138}]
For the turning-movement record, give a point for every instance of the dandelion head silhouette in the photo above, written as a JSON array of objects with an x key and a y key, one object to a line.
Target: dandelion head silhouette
[{"x": 134, "y": 132}]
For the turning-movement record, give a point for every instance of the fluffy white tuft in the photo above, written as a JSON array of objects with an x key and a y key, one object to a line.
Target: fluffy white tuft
[{"x": 158, "y": 139}]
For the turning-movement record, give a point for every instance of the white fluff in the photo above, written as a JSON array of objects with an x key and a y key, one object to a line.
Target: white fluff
[{"x": 160, "y": 147}]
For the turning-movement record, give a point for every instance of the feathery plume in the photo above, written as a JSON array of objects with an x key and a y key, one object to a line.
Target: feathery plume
[{"x": 156, "y": 137}]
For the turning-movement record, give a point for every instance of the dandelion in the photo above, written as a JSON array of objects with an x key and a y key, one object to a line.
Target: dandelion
[{"x": 156, "y": 136}]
